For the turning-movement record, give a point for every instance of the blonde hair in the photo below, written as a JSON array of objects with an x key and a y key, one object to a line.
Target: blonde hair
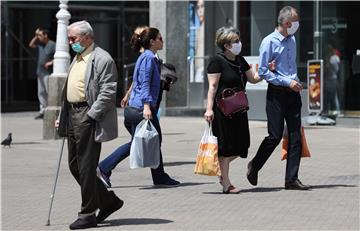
[{"x": 224, "y": 35}]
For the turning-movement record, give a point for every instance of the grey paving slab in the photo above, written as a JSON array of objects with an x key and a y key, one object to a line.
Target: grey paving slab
[{"x": 28, "y": 168}]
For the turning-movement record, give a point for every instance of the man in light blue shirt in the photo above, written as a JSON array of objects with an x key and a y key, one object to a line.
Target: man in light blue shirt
[
  {"x": 276, "y": 47},
  {"x": 283, "y": 100}
]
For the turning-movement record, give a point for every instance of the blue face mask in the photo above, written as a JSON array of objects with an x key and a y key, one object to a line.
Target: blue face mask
[{"x": 77, "y": 47}]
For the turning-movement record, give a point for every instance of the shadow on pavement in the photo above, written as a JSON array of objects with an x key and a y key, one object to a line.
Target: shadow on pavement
[
  {"x": 21, "y": 143},
  {"x": 275, "y": 189},
  {"x": 332, "y": 186},
  {"x": 262, "y": 189},
  {"x": 184, "y": 184},
  {"x": 259, "y": 189},
  {"x": 132, "y": 186},
  {"x": 179, "y": 163},
  {"x": 135, "y": 221}
]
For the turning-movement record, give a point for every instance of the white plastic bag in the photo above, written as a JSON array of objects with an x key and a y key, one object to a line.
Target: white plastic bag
[{"x": 145, "y": 146}]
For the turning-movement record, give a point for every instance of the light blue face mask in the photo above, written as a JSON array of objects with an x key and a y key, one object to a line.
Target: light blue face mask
[{"x": 77, "y": 47}]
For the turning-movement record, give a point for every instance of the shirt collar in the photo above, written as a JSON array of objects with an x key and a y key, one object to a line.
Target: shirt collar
[
  {"x": 149, "y": 53},
  {"x": 86, "y": 54},
  {"x": 278, "y": 35}
]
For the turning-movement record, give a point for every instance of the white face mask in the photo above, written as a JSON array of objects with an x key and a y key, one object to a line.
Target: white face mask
[
  {"x": 235, "y": 48},
  {"x": 294, "y": 27}
]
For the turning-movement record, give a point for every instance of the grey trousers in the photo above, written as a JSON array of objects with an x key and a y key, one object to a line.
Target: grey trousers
[{"x": 42, "y": 82}]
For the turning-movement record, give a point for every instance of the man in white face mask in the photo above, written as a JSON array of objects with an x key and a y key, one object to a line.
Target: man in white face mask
[{"x": 283, "y": 98}]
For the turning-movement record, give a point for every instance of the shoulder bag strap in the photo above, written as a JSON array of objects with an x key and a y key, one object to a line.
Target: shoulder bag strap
[{"x": 231, "y": 64}]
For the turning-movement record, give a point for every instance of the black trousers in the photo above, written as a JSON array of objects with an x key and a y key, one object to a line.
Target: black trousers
[
  {"x": 133, "y": 117},
  {"x": 280, "y": 105},
  {"x": 84, "y": 155}
]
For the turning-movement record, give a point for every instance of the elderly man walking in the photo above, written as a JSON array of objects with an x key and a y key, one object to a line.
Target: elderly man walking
[
  {"x": 87, "y": 118},
  {"x": 283, "y": 100}
]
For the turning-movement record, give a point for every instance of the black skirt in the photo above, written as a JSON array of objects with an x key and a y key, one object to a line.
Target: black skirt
[{"x": 232, "y": 133}]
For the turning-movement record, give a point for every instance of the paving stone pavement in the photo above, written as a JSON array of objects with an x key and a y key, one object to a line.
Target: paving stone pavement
[{"x": 28, "y": 170}]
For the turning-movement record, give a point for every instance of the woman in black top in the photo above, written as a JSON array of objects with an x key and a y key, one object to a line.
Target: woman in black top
[{"x": 228, "y": 70}]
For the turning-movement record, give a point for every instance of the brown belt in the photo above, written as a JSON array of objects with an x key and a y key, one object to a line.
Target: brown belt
[{"x": 279, "y": 88}]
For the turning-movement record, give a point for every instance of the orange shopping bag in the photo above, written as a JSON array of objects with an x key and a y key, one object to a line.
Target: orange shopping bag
[
  {"x": 305, "y": 152},
  {"x": 207, "y": 162}
]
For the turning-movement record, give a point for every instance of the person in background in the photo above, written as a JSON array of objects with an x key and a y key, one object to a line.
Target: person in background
[
  {"x": 88, "y": 118},
  {"x": 332, "y": 67},
  {"x": 145, "y": 97},
  {"x": 228, "y": 69},
  {"x": 46, "y": 51},
  {"x": 283, "y": 100}
]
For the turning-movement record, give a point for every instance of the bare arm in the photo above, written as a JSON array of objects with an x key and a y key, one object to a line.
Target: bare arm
[
  {"x": 125, "y": 100},
  {"x": 48, "y": 64},
  {"x": 213, "y": 85},
  {"x": 252, "y": 77},
  {"x": 34, "y": 40}
]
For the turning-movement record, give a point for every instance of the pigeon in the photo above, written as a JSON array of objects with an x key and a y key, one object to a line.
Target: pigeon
[{"x": 7, "y": 141}]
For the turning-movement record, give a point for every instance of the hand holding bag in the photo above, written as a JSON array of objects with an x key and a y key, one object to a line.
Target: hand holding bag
[
  {"x": 145, "y": 146},
  {"x": 207, "y": 162}
]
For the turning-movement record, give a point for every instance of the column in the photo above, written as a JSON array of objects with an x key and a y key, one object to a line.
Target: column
[
  {"x": 171, "y": 18},
  {"x": 58, "y": 77}
]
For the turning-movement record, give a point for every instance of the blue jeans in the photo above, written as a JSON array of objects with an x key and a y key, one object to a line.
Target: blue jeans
[
  {"x": 133, "y": 117},
  {"x": 110, "y": 162}
]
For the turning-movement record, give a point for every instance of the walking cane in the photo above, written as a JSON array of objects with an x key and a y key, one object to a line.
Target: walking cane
[{"x": 56, "y": 177}]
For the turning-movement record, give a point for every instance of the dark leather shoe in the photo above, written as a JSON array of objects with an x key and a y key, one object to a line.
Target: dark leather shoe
[
  {"x": 84, "y": 223},
  {"x": 296, "y": 185},
  {"x": 104, "y": 213},
  {"x": 40, "y": 116},
  {"x": 251, "y": 174}
]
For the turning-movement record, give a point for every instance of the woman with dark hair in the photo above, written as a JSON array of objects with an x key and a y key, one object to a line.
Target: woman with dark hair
[{"x": 143, "y": 103}]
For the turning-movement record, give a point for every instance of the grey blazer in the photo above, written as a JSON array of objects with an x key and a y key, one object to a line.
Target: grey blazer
[{"x": 100, "y": 93}]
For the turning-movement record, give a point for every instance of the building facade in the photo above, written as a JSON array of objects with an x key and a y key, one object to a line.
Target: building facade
[
  {"x": 188, "y": 28},
  {"x": 113, "y": 23}
]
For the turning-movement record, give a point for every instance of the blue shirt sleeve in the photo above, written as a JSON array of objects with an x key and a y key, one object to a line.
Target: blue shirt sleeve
[
  {"x": 146, "y": 72},
  {"x": 266, "y": 56}
]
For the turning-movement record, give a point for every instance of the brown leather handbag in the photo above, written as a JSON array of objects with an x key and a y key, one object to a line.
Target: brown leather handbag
[{"x": 232, "y": 101}]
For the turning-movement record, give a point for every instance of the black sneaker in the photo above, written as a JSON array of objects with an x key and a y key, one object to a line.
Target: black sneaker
[
  {"x": 167, "y": 183},
  {"x": 103, "y": 177},
  {"x": 104, "y": 213},
  {"x": 40, "y": 116},
  {"x": 84, "y": 223}
]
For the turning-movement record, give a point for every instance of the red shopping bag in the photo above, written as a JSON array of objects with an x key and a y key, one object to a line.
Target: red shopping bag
[{"x": 207, "y": 162}]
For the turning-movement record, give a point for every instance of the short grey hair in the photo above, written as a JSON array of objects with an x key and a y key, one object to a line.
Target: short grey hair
[
  {"x": 285, "y": 14},
  {"x": 224, "y": 35},
  {"x": 84, "y": 28}
]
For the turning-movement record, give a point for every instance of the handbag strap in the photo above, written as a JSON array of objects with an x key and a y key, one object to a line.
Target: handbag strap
[{"x": 231, "y": 64}]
